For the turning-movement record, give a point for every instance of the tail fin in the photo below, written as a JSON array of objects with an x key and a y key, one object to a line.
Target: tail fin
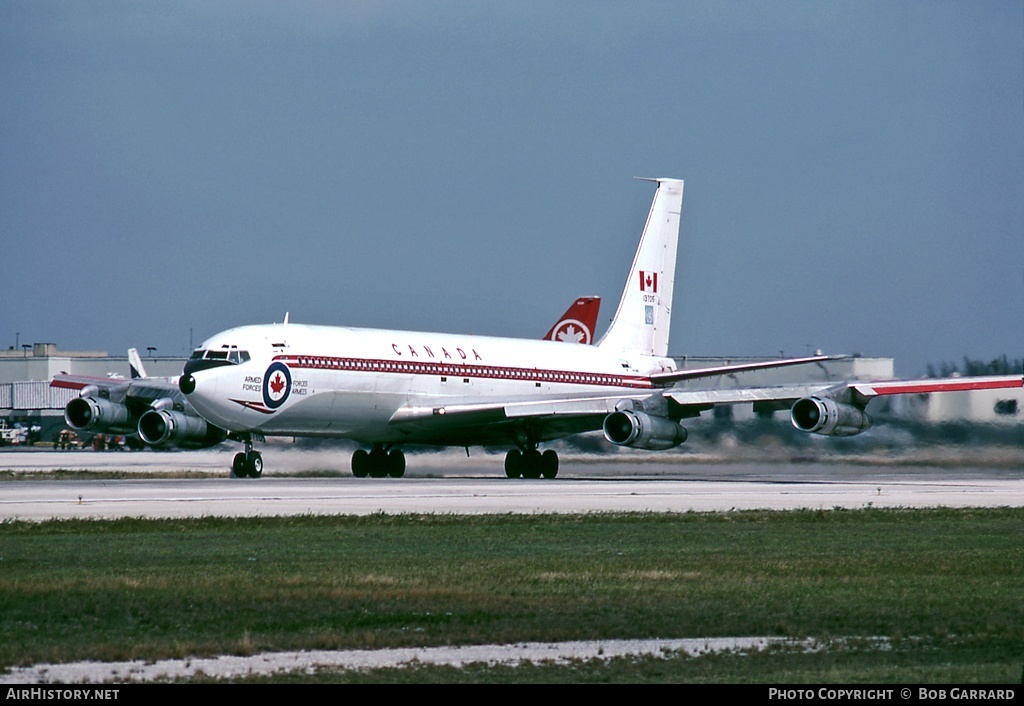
[
  {"x": 135, "y": 363},
  {"x": 641, "y": 323},
  {"x": 578, "y": 322}
]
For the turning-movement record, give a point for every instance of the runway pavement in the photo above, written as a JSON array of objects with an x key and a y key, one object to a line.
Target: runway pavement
[{"x": 453, "y": 484}]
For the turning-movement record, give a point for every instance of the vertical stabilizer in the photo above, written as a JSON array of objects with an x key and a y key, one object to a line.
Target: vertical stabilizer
[
  {"x": 578, "y": 323},
  {"x": 135, "y": 363},
  {"x": 641, "y": 322}
]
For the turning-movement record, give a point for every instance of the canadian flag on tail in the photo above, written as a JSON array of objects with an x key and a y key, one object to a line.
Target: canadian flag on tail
[{"x": 648, "y": 281}]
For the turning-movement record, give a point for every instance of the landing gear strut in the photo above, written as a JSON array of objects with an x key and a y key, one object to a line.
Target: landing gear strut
[
  {"x": 531, "y": 463},
  {"x": 248, "y": 463},
  {"x": 378, "y": 462}
]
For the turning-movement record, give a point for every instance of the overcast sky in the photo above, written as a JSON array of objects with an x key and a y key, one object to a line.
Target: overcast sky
[{"x": 854, "y": 170}]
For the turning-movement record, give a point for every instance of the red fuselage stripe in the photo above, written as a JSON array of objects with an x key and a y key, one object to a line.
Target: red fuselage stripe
[{"x": 493, "y": 372}]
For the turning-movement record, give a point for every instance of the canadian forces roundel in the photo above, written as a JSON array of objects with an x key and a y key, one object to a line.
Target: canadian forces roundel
[{"x": 277, "y": 383}]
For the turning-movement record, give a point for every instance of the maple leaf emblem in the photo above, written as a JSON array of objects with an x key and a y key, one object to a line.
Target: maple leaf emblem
[
  {"x": 571, "y": 334},
  {"x": 649, "y": 281},
  {"x": 277, "y": 384}
]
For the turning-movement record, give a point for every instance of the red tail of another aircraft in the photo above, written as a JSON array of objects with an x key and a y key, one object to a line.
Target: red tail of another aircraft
[{"x": 578, "y": 322}]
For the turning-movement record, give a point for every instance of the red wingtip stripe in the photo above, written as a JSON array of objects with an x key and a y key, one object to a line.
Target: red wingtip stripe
[
  {"x": 964, "y": 385},
  {"x": 67, "y": 384}
]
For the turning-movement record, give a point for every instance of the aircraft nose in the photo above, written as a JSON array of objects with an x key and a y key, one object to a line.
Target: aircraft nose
[{"x": 187, "y": 384}]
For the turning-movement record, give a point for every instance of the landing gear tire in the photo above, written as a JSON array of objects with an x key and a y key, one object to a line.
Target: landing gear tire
[
  {"x": 396, "y": 463},
  {"x": 531, "y": 464},
  {"x": 254, "y": 464},
  {"x": 360, "y": 463},
  {"x": 514, "y": 464},
  {"x": 378, "y": 463},
  {"x": 247, "y": 465},
  {"x": 549, "y": 464},
  {"x": 238, "y": 469}
]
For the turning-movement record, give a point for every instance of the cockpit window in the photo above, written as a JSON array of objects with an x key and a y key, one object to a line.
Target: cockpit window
[{"x": 203, "y": 359}]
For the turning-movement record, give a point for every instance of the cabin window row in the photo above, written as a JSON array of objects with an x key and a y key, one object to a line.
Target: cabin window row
[{"x": 459, "y": 370}]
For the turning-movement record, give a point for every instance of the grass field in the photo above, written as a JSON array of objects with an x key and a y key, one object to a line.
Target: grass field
[{"x": 943, "y": 587}]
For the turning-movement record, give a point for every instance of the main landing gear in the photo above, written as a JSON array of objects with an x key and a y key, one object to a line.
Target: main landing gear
[
  {"x": 531, "y": 463},
  {"x": 247, "y": 464},
  {"x": 379, "y": 462}
]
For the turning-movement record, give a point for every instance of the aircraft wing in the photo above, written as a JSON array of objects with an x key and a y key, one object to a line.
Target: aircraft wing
[
  {"x": 154, "y": 409},
  {"x": 858, "y": 393},
  {"x": 142, "y": 391},
  {"x": 830, "y": 408},
  {"x": 698, "y": 373},
  {"x": 554, "y": 418},
  {"x": 600, "y": 404},
  {"x": 80, "y": 382}
]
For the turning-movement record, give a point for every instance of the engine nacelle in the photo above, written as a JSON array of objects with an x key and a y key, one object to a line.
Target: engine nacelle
[
  {"x": 642, "y": 431},
  {"x": 169, "y": 427},
  {"x": 97, "y": 414},
  {"x": 821, "y": 415}
]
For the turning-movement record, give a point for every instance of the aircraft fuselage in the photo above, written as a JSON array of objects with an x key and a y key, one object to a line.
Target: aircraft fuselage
[{"x": 373, "y": 385}]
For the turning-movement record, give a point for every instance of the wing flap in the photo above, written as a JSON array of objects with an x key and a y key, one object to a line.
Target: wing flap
[
  {"x": 502, "y": 411},
  {"x": 740, "y": 395},
  {"x": 500, "y": 423}
]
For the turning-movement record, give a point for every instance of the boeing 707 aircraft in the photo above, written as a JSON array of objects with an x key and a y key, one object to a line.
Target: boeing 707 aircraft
[{"x": 386, "y": 389}]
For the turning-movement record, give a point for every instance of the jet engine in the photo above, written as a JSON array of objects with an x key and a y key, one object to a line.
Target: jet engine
[
  {"x": 642, "y": 431},
  {"x": 821, "y": 415},
  {"x": 170, "y": 427},
  {"x": 98, "y": 415}
]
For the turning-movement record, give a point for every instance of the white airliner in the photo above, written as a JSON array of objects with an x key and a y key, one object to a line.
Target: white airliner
[{"x": 387, "y": 388}]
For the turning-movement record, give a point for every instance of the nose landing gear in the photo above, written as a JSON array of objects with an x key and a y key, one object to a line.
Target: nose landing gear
[{"x": 247, "y": 464}]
